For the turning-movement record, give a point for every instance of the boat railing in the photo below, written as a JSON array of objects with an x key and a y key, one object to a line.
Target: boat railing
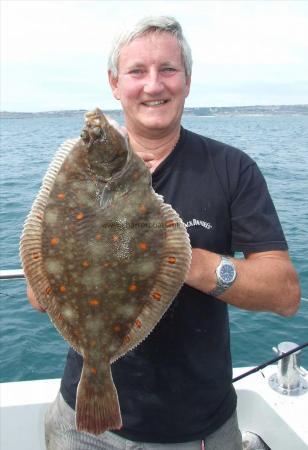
[{"x": 11, "y": 274}]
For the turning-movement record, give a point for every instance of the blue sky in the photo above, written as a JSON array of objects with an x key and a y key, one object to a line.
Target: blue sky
[{"x": 54, "y": 53}]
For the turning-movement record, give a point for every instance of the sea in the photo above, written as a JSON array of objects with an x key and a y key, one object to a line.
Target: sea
[{"x": 30, "y": 346}]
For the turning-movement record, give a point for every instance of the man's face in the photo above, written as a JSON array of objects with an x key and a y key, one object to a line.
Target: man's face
[{"x": 151, "y": 84}]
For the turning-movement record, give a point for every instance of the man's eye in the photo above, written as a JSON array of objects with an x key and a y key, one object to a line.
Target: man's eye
[
  {"x": 169, "y": 69},
  {"x": 135, "y": 71}
]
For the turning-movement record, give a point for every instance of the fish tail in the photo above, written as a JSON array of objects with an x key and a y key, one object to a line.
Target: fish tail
[{"x": 97, "y": 405}]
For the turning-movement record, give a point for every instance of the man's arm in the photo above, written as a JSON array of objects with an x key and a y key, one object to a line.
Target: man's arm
[{"x": 266, "y": 281}]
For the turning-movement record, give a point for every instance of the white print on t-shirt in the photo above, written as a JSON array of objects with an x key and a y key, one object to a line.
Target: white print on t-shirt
[{"x": 202, "y": 223}]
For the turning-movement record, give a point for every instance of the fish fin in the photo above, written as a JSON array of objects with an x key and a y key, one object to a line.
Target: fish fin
[
  {"x": 97, "y": 404},
  {"x": 176, "y": 259},
  {"x": 31, "y": 238},
  {"x": 159, "y": 196},
  {"x": 106, "y": 197}
]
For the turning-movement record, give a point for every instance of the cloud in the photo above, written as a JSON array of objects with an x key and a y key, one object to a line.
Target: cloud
[
  {"x": 55, "y": 52},
  {"x": 252, "y": 33},
  {"x": 248, "y": 93},
  {"x": 53, "y": 30}
]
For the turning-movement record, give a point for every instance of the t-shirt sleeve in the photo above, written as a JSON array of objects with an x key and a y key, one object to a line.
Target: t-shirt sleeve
[{"x": 254, "y": 220}]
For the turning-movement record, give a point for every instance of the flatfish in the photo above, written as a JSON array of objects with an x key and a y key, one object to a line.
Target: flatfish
[{"x": 105, "y": 256}]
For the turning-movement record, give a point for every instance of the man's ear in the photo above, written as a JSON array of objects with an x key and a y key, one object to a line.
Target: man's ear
[{"x": 114, "y": 85}]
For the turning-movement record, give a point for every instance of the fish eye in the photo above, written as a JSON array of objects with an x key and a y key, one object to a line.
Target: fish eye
[{"x": 85, "y": 135}]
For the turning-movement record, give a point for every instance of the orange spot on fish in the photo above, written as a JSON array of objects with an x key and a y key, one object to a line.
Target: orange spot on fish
[
  {"x": 62, "y": 289},
  {"x": 117, "y": 328},
  {"x": 142, "y": 209},
  {"x": 54, "y": 241},
  {"x": 93, "y": 302},
  {"x": 126, "y": 340},
  {"x": 156, "y": 295},
  {"x": 115, "y": 237},
  {"x": 143, "y": 246},
  {"x": 35, "y": 256},
  {"x": 171, "y": 260},
  {"x": 80, "y": 215},
  {"x": 170, "y": 223},
  {"x": 61, "y": 196},
  {"x": 85, "y": 263},
  {"x": 98, "y": 237},
  {"x": 138, "y": 323},
  {"x": 48, "y": 290},
  {"x": 132, "y": 287},
  {"x": 94, "y": 370}
]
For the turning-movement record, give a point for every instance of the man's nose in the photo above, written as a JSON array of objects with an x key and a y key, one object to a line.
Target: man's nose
[{"x": 153, "y": 83}]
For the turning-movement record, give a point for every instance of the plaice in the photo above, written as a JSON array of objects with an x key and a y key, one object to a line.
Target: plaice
[{"x": 105, "y": 256}]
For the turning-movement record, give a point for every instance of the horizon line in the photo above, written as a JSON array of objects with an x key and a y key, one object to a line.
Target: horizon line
[{"x": 185, "y": 108}]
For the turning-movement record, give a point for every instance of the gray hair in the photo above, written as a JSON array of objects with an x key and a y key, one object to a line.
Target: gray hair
[{"x": 146, "y": 26}]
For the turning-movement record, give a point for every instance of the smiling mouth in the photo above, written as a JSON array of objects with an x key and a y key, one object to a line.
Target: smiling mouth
[{"x": 155, "y": 103}]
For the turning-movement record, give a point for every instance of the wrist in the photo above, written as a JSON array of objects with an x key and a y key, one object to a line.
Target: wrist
[{"x": 202, "y": 274}]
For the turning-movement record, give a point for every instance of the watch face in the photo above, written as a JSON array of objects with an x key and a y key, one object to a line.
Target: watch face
[{"x": 227, "y": 273}]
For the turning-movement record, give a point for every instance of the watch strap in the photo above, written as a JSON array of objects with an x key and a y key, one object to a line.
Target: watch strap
[
  {"x": 221, "y": 287},
  {"x": 218, "y": 290}
]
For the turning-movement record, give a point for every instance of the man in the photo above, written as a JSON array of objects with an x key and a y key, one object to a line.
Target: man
[{"x": 175, "y": 388}]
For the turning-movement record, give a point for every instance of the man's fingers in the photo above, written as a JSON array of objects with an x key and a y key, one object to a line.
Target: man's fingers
[
  {"x": 148, "y": 158},
  {"x": 33, "y": 300}
]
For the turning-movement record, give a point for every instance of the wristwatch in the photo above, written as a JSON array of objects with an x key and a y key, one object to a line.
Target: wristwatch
[{"x": 226, "y": 275}]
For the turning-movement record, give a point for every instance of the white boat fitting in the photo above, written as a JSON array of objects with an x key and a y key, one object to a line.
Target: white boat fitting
[{"x": 280, "y": 419}]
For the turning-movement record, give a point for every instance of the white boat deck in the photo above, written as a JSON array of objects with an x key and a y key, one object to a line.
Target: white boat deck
[
  {"x": 281, "y": 421},
  {"x": 23, "y": 405}
]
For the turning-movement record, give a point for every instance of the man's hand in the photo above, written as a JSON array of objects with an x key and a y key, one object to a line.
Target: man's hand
[
  {"x": 148, "y": 158},
  {"x": 33, "y": 300}
]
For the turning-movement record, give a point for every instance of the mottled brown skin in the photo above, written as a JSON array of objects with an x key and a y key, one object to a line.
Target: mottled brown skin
[
  {"x": 104, "y": 256},
  {"x": 98, "y": 251}
]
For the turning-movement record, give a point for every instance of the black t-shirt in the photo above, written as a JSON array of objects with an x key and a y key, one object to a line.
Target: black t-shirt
[{"x": 176, "y": 385}]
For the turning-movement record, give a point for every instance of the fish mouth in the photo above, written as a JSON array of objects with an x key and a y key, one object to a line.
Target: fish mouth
[{"x": 154, "y": 103}]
